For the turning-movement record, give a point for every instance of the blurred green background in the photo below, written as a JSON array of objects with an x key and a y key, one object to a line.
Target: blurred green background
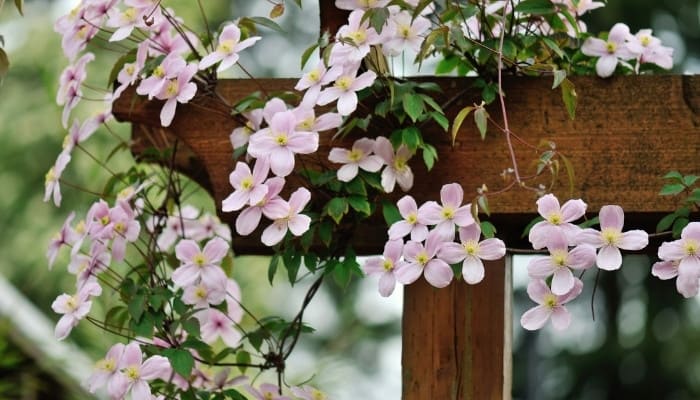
[{"x": 645, "y": 342}]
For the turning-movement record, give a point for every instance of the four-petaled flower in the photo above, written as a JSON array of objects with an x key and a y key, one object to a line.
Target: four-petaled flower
[
  {"x": 556, "y": 218},
  {"x": 550, "y": 305},
  {"x": 230, "y": 45},
  {"x": 423, "y": 260},
  {"x": 450, "y": 214},
  {"x": 386, "y": 266},
  {"x": 472, "y": 251},
  {"x": 359, "y": 157},
  {"x": 560, "y": 262},
  {"x": 196, "y": 263}
]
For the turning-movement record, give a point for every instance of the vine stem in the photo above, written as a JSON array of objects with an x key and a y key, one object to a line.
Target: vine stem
[{"x": 501, "y": 99}]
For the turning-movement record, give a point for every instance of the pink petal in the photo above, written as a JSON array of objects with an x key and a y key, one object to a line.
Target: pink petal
[
  {"x": 364, "y": 80},
  {"x": 210, "y": 59},
  {"x": 540, "y": 234},
  {"x": 419, "y": 233},
  {"x": 463, "y": 216},
  {"x": 64, "y": 326},
  {"x": 594, "y": 47},
  {"x": 411, "y": 250},
  {"x": 299, "y": 199},
  {"x": 619, "y": 33},
  {"x": 387, "y": 282},
  {"x": 215, "y": 250},
  {"x": 540, "y": 267},
  {"x": 664, "y": 270},
  {"x": 535, "y": 318},
  {"x": 573, "y": 210},
  {"x": 393, "y": 250},
  {"x": 590, "y": 237},
  {"x": 132, "y": 355},
  {"x": 491, "y": 249},
  {"x": 384, "y": 149},
  {"x": 573, "y": 293},
  {"x": 605, "y": 66},
  {"x": 235, "y": 201},
  {"x": 557, "y": 241},
  {"x": 634, "y": 240},
  {"x": 470, "y": 233},
  {"x": 339, "y": 156},
  {"x": 561, "y": 319},
  {"x": 186, "y": 250},
  {"x": 248, "y": 220},
  {"x": 281, "y": 161},
  {"x": 537, "y": 290},
  {"x": 347, "y": 103},
  {"x": 581, "y": 257},
  {"x": 547, "y": 205},
  {"x": 609, "y": 258},
  {"x": 400, "y": 229},
  {"x": 452, "y": 253},
  {"x": 472, "y": 270},
  {"x": 408, "y": 273},
  {"x": 452, "y": 195},
  {"x": 168, "y": 112},
  {"x": 274, "y": 234},
  {"x": 611, "y": 216},
  {"x": 407, "y": 205},
  {"x": 373, "y": 265},
  {"x": 669, "y": 251},
  {"x": 562, "y": 282},
  {"x": 185, "y": 276},
  {"x": 299, "y": 224},
  {"x": 432, "y": 212},
  {"x": 140, "y": 391},
  {"x": 303, "y": 142},
  {"x": 155, "y": 367},
  {"x": 438, "y": 273},
  {"x": 347, "y": 172},
  {"x": 691, "y": 231},
  {"x": 371, "y": 163}
]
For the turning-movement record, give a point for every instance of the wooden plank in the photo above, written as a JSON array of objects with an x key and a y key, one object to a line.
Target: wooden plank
[
  {"x": 628, "y": 132},
  {"x": 456, "y": 341}
]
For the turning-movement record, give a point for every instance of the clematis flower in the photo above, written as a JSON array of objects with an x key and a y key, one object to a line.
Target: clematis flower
[
  {"x": 248, "y": 186},
  {"x": 307, "y": 392},
  {"x": 413, "y": 221},
  {"x": 611, "y": 239},
  {"x": 106, "y": 368},
  {"x": 472, "y": 251},
  {"x": 125, "y": 21},
  {"x": 72, "y": 77},
  {"x": 52, "y": 187},
  {"x": 650, "y": 49},
  {"x": 126, "y": 228},
  {"x": 209, "y": 226},
  {"x": 360, "y": 4},
  {"x": 288, "y": 217},
  {"x": 241, "y": 135},
  {"x": 360, "y": 34},
  {"x": 136, "y": 373},
  {"x": 560, "y": 262},
  {"x": 230, "y": 45},
  {"x": 79, "y": 133},
  {"x": 179, "y": 89},
  {"x": 421, "y": 260},
  {"x": 686, "y": 253},
  {"x": 169, "y": 68},
  {"x": 386, "y": 266},
  {"x": 267, "y": 391},
  {"x": 181, "y": 224},
  {"x": 397, "y": 168},
  {"x": 281, "y": 141},
  {"x": 312, "y": 82},
  {"x": 550, "y": 305},
  {"x": 249, "y": 218},
  {"x": 77, "y": 37},
  {"x": 404, "y": 31},
  {"x": 307, "y": 120},
  {"x": 201, "y": 295},
  {"x": 87, "y": 267},
  {"x": 611, "y": 51},
  {"x": 450, "y": 214},
  {"x": 66, "y": 236},
  {"x": 556, "y": 219},
  {"x": 214, "y": 324},
  {"x": 344, "y": 90},
  {"x": 359, "y": 157},
  {"x": 74, "y": 308},
  {"x": 196, "y": 263}
]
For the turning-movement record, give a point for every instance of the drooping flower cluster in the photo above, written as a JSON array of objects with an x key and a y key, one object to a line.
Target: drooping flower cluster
[
  {"x": 571, "y": 249},
  {"x": 430, "y": 252}
]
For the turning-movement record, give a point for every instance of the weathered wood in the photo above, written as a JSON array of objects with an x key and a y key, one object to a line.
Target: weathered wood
[
  {"x": 456, "y": 341},
  {"x": 628, "y": 132}
]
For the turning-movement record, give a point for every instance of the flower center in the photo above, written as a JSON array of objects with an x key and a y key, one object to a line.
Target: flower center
[
  {"x": 132, "y": 372},
  {"x": 448, "y": 212},
  {"x": 314, "y": 75},
  {"x": 344, "y": 82},
  {"x": 317, "y": 395},
  {"x": 247, "y": 183},
  {"x": 130, "y": 69},
  {"x": 120, "y": 227},
  {"x": 72, "y": 303},
  {"x": 268, "y": 396},
  {"x": 422, "y": 258},
  {"x": 226, "y": 46},
  {"x": 611, "y": 47},
  {"x": 405, "y": 31},
  {"x": 388, "y": 265},
  {"x": 691, "y": 247},
  {"x": 399, "y": 164},
  {"x": 611, "y": 236},
  {"x": 359, "y": 36},
  {"x": 51, "y": 175},
  {"x": 645, "y": 40},
  {"x": 104, "y": 220},
  {"x": 281, "y": 139},
  {"x": 199, "y": 259},
  {"x": 307, "y": 123},
  {"x": 471, "y": 247},
  {"x": 412, "y": 218},
  {"x": 80, "y": 227},
  {"x": 130, "y": 14},
  {"x": 107, "y": 365},
  {"x": 159, "y": 72},
  {"x": 200, "y": 292},
  {"x": 559, "y": 258},
  {"x": 555, "y": 218},
  {"x": 172, "y": 88},
  {"x": 355, "y": 155},
  {"x": 126, "y": 193},
  {"x": 82, "y": 32},
  {"x": 550, "y": 301}
]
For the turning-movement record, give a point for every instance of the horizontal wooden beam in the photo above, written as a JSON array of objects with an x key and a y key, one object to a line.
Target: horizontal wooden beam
[{"x": 628, "y": 132}]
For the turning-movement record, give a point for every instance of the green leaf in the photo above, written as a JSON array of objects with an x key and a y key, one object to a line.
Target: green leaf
[
  {"x": 412, "y": 138},
  {"x": 429, "y": 156},
  {"x": 481, "y": 119},
  {"x": 672, "y": 189},
  {"x": 457, "y": 123},
  {"x": 325, "y": 232},
  {"x": 292, "y": 261},
  {"x": 568, "y": 94},
  {"x": 570, "y": 173},
  {"x": 559, "y": 76},
  {"x": 243, "y": 357},
  {"x": 266, "y": 22},
  {"x": 535, "y": 7},
  {"x": 689, "y": 180},
  {"x": 666, "y": 222},
  {"x": 447, "y": 64},
  {"x": 272, "y": 268},
  {"x": 181, "y": 361},
  {"x": 378, "y": 17},
  {"x": 4, "y": 65},
  {"x": 487, "y": 229},
  {"x": 136, "y": 306},
  {"x": 360, "y": 204},
  {"x": 391, "y": 212},
  {"x": 553, "y": 46},
  {"x": 356, "y": 186},
  {"x": 233, "y": 394},
  {"x": 678, "y": 226},
  {"x": 307, "y": 54},
  {"x": 441, "y": 120},
  {"x": 413, "y": 105},
  {"x": 674, "y": 175},
  {"x": 336, "y": 208}
]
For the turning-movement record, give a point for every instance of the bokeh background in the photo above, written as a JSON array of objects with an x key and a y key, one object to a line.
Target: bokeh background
[{"x": 644, "y": 342}]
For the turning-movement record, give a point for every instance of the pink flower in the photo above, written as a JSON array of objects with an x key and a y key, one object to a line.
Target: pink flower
[
  {"x": 307, "y": 121},
  {"x": 611, "y": 238},
  {"x": 182, "y": 224},
  {"x": 214, "y": 324},
  {"x": 422, "y": 260},
  {"x": 72, "y": 77},
  {"x": 209, "y": 226},
  {"x": 650, "y": 49},
  {"x": 404, "y": 31},
  {"x": 87, "y": 267},
  {"x": 556, "y": 219},
  {"x": 267, "y": 391},
  {"x": 307, "y": 392},
  {"x": 289, "y": 218},
  {"x": 228, "y": 48},
  {"x": 270, "y": 205},
  {"x": 360, "y": 34},
  {"x": 560, "y": 262},
  {"x": 610, "y": 51},
  {"x": 686, "y": 253},
  {"x": 360, "y": 4},
  {"x": 314, "y": 80},
  {"x": 125, "y": 21},
  {"x": 169, "y": 69},
  {"x": 248, "y": 187},
  {"x": 450, "y": 214},
  {"x": 281, "y": 141},
  {"x": 413, "y": 221},
  {"x": 344, "y": 90},
  {"x": 202, "y": 295},
  {"x": 106, "y": 368},
  {"x": 472, "y": 251},
  {"x": 135, "y": 373},
  {"x": 580, "y": 7},
  {"x": 74, "y": 308},
  {"x": 198, "y": 263},
  {"x": 386, "y": 266},
  {"x": 79, "y": 133},
  {"x": 66, "y": 236},
  {"x": 126, "y": 228},
  {"x": 397, "y": 168},
  {"x": 52, "y": 187},
  {"x": 240, "y": 136},
  {"x": 550, "y": 305},
  {"x": 360, "y": 157},
  {"x": 179, "y": 89},
  {"x": 77, "y": 37}
]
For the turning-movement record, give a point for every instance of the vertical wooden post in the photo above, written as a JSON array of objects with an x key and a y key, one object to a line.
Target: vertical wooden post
[{"x": 456, "y": 341}]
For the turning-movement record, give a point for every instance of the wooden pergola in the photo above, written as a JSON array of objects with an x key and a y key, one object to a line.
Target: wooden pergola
[{"x": 628, "y": 132}]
